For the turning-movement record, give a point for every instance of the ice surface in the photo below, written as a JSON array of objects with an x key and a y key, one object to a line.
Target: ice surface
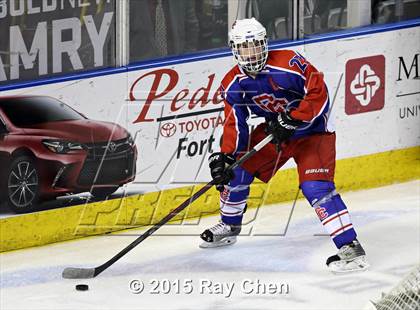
[{"x": 271, "y": 251}]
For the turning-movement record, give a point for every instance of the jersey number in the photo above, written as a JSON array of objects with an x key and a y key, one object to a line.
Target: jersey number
[
  {"x": 269, "y": 103},
  {"x": 300, "y": 62}
]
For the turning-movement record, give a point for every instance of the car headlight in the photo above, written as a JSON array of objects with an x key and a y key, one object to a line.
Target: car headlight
[
  {"x": 61, "y": 147},
  {"x": 130, "y": 139}
]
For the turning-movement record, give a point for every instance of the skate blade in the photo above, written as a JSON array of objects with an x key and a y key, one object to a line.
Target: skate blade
[
  {"x": 356, "y": 265},
  {"x": 224, "y": 242}
]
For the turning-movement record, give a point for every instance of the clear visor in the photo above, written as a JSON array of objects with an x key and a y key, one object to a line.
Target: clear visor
[{"x": 251, "y": 55}]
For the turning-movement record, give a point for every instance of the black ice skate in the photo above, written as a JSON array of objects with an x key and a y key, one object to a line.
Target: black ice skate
[
  {"x": 220, "y": 235},
  {"x": 350, "y": 257}
]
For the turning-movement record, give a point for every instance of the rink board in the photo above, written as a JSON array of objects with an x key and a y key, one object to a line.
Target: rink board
[
  {"x": 293, "y": 253},
  {"x": 377, "y": 141},
  {"x": 97, "y": 218}
]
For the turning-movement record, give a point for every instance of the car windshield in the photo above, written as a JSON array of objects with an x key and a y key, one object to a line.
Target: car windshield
[{"x": 28, "y": 111}]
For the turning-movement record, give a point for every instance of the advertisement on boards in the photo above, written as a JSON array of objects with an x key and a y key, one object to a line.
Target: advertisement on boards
[{"x": 167, "y": 120}]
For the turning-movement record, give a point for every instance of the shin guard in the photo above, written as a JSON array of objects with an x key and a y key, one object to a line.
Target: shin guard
[{"x": 331, "y": 211}]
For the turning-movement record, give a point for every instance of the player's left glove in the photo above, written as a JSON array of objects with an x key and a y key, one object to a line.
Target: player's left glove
[
  {"x": 219, "y": 163},
  {"x": 282, "y": 128}
]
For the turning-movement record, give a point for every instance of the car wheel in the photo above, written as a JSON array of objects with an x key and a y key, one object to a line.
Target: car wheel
[
  {"x": 23, "y": 185},
  {"x": 101, "y": 193}
]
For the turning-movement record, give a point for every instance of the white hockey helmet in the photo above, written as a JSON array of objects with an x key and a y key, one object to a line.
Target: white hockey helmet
[{"x": 248, "y": 41}]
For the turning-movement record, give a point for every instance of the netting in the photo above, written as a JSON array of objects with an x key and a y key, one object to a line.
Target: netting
[{"x": 404, "y": 296}]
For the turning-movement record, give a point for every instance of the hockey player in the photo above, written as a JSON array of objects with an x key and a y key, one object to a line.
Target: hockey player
[{"x": 285, "y": 89}]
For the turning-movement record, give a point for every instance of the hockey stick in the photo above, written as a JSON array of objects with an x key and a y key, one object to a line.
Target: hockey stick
[{"x": 86, "y": 273}]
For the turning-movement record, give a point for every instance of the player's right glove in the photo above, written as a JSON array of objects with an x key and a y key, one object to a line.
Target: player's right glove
[
  {"x": 218, "y": 163},
  {"x": 282, "y": 128}
]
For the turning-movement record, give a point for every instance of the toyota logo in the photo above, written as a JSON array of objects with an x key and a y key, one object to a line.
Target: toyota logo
[
  {"x": 112, "y": 147},
  {"x": 168, "y": 130}
]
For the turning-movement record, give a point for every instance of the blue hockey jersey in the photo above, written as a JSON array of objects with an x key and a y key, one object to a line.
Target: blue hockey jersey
[{"x": 288, "y": 82}]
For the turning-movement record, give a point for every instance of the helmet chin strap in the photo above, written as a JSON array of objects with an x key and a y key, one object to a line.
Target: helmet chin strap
[
  {"x": 258, "y": 71},
  {"x": 253, "y": 73}
]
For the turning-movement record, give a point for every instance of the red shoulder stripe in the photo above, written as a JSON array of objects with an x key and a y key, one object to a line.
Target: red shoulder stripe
[
  {"x": 230, "y": 77},
  {"x": 315, "y": 99},
  {"x": 281, "y": 59},
  {"x": 230, "y": 131},
  {"x": 316, "y": 94}
]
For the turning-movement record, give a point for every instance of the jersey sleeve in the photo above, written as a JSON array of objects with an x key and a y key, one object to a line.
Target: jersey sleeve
[
  {"x": 235, "y": 128},
  {"x": 315, "y": 101}
]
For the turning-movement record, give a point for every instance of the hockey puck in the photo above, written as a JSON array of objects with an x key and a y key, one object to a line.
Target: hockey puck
[{"x": 82, "y": 287}]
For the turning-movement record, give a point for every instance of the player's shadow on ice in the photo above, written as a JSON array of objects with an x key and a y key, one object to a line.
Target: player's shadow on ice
[
  {"x": 288, "y": 253},
  {"x": 277, "y": 254}
]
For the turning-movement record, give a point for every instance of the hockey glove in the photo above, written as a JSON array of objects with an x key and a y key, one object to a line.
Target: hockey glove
[
  {"x": 282, "y": 128},
  {"x": 218, "y": 163}
]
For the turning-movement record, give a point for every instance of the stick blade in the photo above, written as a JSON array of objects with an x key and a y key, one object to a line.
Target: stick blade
[{"x": 78, "y": 273}]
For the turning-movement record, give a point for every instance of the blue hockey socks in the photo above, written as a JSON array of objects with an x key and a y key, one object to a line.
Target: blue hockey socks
[
  {"x": 331, "y": 210},
  {"x": 233, "y": 198}
]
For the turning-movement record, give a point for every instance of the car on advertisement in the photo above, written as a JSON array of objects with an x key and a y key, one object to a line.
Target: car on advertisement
[{"x": 48, "y": 149}]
